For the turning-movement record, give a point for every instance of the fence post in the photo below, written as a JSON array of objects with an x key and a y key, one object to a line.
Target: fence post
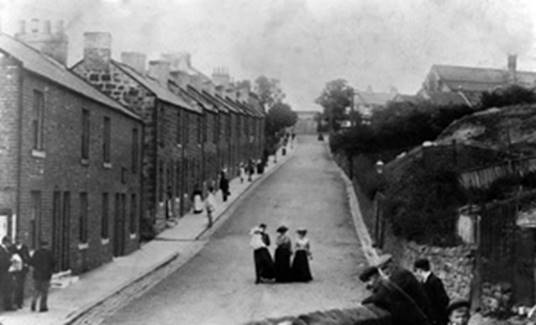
[{"x": 476, "y": 284}]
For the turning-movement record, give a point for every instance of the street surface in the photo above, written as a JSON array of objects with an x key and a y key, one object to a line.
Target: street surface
[{"x": 217, "y": 286}]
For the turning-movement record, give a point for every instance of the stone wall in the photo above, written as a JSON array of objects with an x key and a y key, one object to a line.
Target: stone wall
[{"x": 453, "y": 265}]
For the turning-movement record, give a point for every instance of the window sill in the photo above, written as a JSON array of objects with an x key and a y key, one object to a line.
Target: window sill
[
  {"x": 84, "y": 162},
  {"x": 133, "y": 236},
  {"x": 107, "y": 165},
  {"x": 83, "y": 246},
  {"x": 39, "y": 153},
  {"x": 105, "y": 241}
]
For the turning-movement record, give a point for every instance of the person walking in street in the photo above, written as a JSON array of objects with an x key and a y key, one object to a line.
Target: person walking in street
[
  {"x": 43, "y": 263},
  {"x": 458, "y": 312},
  {"x": 282, "y": 256},
  {"x": 20, "y": 278},
  {"x": 197, "y": 197},
  {"x": 241, "y": 172},
  {"x": 224, "y": 185},
  {"x": 435, "y": 292},
  {"x": 210, "y": 205},
  {"x": 300, "y": 265},
  {"x": 6, "y": 290},
  {"x": 15, "y": 270},
  {"x": 250, "y": 170},
  {"x": 264, "y": 267}
]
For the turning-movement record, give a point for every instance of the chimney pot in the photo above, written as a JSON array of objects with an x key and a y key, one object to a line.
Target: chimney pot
[
  {"x": 47, "y": 27},
  {"x": 159, "y": 70},
  {"x": 135, "y": 60},
  {"x": 22, "y": 27},
  {"x": 60, "y": 29},
  {"x": 35, "y": 25},
  {"x": 97, "y": 50},
  {"x": 512, "y": 66}
]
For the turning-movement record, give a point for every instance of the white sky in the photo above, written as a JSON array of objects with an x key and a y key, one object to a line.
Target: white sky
[{"x": 304, "y": 43}]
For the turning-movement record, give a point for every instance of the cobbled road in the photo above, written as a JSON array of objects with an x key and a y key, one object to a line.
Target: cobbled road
[{"x": 217, "y": 285}]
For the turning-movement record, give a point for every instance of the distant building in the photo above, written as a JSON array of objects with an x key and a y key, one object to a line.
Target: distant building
[
  {"x": 471, "y": 82},
  {"x": 70, "y": 157},
  {"x": 307, "y": 122},
  {"x": 366, "y": 102}
]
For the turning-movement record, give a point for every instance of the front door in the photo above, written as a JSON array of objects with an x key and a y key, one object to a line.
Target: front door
[
  {"x": 61, "y": 214},
  {"x": 119, "y": 224}
]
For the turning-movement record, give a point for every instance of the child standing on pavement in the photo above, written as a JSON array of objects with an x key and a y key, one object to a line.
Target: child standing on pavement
[{"x": 210, "y": 205}]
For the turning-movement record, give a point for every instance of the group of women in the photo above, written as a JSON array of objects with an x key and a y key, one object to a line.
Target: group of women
[{"x": 284, "y": 267}]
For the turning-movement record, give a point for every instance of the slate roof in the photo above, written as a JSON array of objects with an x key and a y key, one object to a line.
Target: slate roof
[
  {"x": 209, "y": 105},
  {"x": 480, "y": 79},
  {"x": 160, "y": 91},
  {"x": 447, "y": 98},
  {"x": 373, "y": 98},
  {"x": 40, "y": 64}
]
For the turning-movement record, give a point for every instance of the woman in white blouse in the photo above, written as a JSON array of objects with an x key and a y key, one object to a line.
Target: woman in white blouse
[
  {"x": 300, "y": 265},
  {"x": 264, "y": 265}
]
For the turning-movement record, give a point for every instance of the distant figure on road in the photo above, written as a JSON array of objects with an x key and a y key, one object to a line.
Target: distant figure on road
[
  {"x": 300, "y": 265},
  {"x": 210, "y": 205},
  {"x": 241, "y": 172},
  {"x": 264, "y": 266},
  {"x": 250, "y": 169},
  {"x": 42, "y": 262},
  {"x": 224, "y": 185},
  {"x": 435, "y": 292},
  {"x": 197, "y": 197},
  {"x": 282, "y": 256}
]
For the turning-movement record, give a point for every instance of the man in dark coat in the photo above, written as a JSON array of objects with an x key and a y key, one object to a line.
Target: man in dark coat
[
  {"x": 435, "y": 292},
  {"x": 224, "y": 185},
  {"x": 398, "y": 291},
  {"x": 43, "y": 263},
  {"x": 6, "y": 288}
]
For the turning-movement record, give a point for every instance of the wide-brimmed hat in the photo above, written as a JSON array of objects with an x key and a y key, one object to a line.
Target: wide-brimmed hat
[
  {"x": 368, "y": 272},
  {"x": 301, "y": 231},
  {"x": 282, "y": 229}
]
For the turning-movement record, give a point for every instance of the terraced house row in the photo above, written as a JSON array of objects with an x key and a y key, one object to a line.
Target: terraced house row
[{"x": 97, "y": 156}]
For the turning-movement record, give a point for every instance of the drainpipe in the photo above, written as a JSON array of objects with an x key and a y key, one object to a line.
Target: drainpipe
[{"x": 19, "y": 154}]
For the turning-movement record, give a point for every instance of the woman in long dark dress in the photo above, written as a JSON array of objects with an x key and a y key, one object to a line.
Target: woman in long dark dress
[
  {"x": 300, "y": 265},
  {"x": 264, "y": 266},
  {"x": 283, "y": 252}
]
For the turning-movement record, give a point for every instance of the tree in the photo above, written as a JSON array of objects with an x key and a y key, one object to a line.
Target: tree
[
  {"x": 280, "y": 116},
  {"x": 335, "y": 98},
  {"x": 269, "y": 91},
  {"x": 507, "y": 96}
]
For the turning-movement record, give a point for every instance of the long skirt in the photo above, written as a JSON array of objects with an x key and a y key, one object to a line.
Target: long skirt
[
  {"x": 282, "y": 265},
  {"x": 300, "y": 267},
  {"x": 198, "y": 204},
  {"x": 264, "y": 266}
]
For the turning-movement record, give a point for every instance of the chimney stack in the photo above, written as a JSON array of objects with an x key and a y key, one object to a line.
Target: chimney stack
[
  {"x": 97, "y": 50},
  {"x": 34, "y": 25},
  {"x": 135, "y": 60},
  {"x": 159, "y": 70},
  {"x": 55, "y": 45},
  {"x": 47, "y": 27},
  {"x": 22, "y": 28},
  {"x": 220, "y": 77},
  {"x": 512, "y": 67}
]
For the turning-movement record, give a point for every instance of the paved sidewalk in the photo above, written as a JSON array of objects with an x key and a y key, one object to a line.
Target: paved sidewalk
[{"x": 181, "y": 242}]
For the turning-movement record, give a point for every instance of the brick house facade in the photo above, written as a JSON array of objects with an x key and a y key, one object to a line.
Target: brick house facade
[
  {"x": 70, "y": 160},
  {"x": 172, "y": 152}
]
